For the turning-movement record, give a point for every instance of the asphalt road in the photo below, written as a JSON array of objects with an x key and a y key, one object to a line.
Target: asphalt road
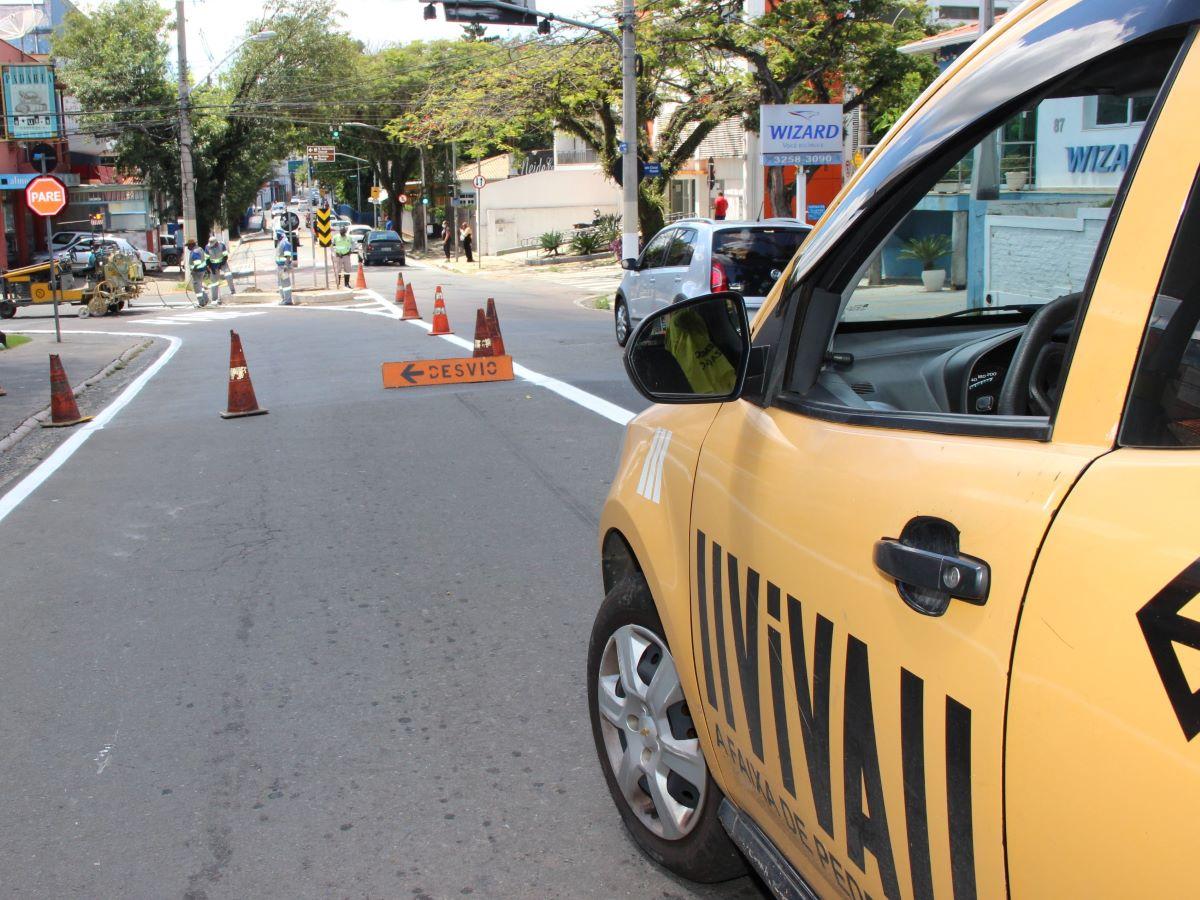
[{"x": 337, "y": 650}]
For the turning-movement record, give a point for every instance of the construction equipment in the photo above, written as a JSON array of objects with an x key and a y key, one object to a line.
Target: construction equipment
[{"x": 113, "y": 282}]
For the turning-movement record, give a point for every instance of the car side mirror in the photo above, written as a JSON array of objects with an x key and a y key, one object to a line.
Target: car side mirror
[
  {"x": 694, "y": 351},
  {"x": 629, "y": 265}
]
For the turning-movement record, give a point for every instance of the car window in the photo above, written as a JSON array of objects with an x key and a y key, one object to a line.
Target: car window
[
  {"x": 1164, "y": 402},
  {"x": 748, "y": 260},
  {"x": 680, "y": 247},
  {"x": 929, "y": 318},
  {"x": 384, "y": 236},
  {"x": 655, "y": 252}
]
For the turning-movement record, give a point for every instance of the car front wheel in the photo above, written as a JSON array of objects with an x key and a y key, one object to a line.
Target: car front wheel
[
  {"x": 647, "y": 742},
  {"x": 623, "y": 326}
]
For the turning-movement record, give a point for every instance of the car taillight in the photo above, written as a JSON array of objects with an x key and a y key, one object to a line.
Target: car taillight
[{"x": 718, "y": 281}]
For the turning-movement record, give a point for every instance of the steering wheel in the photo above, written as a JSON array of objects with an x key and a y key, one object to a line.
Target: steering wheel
[{"x": 1014, "y": 396}]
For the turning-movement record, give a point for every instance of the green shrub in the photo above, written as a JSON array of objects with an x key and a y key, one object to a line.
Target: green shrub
[
  {"x": 584, "y": 243},
  {"x": 550, "y": 241},
  {"x": 927, "y": 250}
]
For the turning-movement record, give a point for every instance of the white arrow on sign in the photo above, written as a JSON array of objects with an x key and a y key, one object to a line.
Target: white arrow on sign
[{"x": 479, "y": 181}]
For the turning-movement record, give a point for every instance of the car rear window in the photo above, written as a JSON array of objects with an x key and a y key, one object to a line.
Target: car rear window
[
  {"x": 750, "y": 255},
  {"x": 377, "y": 236}
]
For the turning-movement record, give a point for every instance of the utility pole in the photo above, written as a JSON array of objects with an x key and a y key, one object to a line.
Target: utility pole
[
  {"x": 629, "y": 131},
  {"x": 985, "y": 172},
  {"x": 187, "y": 179}
]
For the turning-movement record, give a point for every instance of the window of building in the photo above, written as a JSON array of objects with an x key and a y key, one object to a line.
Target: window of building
[{"x": 1112, "y": 109}]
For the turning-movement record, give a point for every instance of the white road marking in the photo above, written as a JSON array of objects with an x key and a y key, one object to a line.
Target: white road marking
[
  {"x": 104, "y": 757},
  {"x": 598, "y": 405},
  {"x": 199, "y": 318},
  {"x": 52, "y": 463}
]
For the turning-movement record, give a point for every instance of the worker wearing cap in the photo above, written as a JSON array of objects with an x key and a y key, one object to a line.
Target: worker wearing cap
[
  {"x": 197, "y": 264},
  {"x": 283, "y": 268},
  {"x": 218, "y": 262},
  {"x": 342, "y": 248}
]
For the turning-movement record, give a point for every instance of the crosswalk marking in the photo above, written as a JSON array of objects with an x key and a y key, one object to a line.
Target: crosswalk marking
[{"x": 198, "y": 318}]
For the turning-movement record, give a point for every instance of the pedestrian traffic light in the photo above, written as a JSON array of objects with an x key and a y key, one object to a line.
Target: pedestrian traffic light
[{"x": 336, "y": 131}]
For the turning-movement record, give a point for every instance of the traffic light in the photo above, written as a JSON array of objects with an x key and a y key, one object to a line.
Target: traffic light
[{"x": 335, "y": 131}]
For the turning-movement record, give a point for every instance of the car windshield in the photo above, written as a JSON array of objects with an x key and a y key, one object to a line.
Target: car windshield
[
  {"x": 378, "y": 236},
  {"x": 749, "y": 256}
]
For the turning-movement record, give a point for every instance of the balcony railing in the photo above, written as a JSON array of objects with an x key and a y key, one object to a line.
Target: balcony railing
[{"x": 571, "y": 157}]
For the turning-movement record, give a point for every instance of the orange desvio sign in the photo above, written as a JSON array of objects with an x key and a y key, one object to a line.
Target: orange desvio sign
[
  {"x": 46, "y": 195},
  {"x": 459, "y": 370}
]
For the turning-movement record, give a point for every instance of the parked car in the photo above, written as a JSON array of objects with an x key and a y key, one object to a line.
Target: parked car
[
  {"x": 902, "y": 583},
  {"x": 169, "y": 251},
  {"x": 694, "y": 256},
  {"x": 379, "y": 247},
  {"x": 59, "y": 241},
  {"x": 81, "y": 256}
]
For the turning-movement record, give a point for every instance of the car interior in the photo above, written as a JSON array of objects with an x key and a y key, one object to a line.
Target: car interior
[{"x": 965, "y": 349}]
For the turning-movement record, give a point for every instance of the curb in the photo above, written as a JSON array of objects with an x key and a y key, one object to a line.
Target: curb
[{"x": 34, "y": 421}]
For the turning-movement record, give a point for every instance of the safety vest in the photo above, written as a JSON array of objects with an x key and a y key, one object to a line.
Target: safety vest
[
  {"x": 342, "y": 245},
  {"x": 218, "y": 253},
  {"x": 705, "y": 366},
  {"x": 197, "y": 261},
  {"x": 283, "y": 253}
]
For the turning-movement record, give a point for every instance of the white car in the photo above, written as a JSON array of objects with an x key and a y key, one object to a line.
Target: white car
[
  {"x": 693, "y": 257},
  {"x": 80, "y": 255}
]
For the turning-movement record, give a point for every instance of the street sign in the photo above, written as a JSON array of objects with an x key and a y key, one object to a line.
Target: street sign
[
  {"x": 322, "y": 153},
  {"x": 46, "y": 195},
  {"x": 44, "y": 154},
  {"x": 652, "y": 170},
  {"x": 479, "y": 181},
  {"x": 375, "y": 189},
  {"x": 483, "y": 13},
  {"x": 622, "y": 147},
  {"x": 322, "y": 227},
  {"x": 403, "y": 198},
  {"x": 458, "y": 370}
]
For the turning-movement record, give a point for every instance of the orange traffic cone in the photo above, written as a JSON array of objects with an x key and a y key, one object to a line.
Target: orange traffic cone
[
  {"x": 64, "y": 410},
  {"x": 242, "y": 401},
  {"x": 360, "y": 280},
  {"x": 441, "y": 322},
  {"x": 399, "y": 287},
  {"x": 483, "y": 335},
  {"x": 494, "y": 323},
  {"x": 410, "y": 304}
]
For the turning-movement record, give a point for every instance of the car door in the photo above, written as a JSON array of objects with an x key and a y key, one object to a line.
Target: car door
[
  {"x": 865, "y": 524},
  {"x": 669, "y": 281},
  {"x": 641, "y": 301}
]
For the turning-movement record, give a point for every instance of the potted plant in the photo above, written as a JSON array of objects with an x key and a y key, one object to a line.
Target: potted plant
[{"x": 927, "y": 250}]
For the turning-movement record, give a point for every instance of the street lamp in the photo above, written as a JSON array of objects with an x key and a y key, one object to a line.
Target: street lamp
[{"x": 187, "y": 179}]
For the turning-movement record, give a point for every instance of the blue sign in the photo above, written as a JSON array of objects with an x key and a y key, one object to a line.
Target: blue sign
[
  {"x": 1103, "y": 158},
  {"x": 30, "y": 104},
  {"x": 652, "y": 170},
  {"x": 815, "y": 211},
  {"x": 622, "y": 147}
]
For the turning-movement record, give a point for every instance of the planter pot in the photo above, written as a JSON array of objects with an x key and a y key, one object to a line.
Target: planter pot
[
  {"x": 1016, "y": 180},
  {"x": 934, "y": 279}
]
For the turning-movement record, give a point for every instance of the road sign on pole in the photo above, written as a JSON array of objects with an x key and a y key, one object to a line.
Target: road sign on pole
[
  {"x": 322, "y": 153},
  {"x": 403, "y": 198},
  {"x": 479, "y": 181},
  {"x": 322, "y": 227},
  {"x": 46, "y": 195}
]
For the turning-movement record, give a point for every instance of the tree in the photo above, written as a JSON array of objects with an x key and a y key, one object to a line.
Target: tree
[{"x": 809, "y": 51}]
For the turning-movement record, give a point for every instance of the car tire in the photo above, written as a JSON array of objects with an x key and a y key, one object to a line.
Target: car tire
[
  {"x": 689, "y": 839},
  {"x": 621, "y": 323}
]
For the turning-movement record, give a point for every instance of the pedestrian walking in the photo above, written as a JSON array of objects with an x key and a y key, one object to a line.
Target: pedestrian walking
[
  {"x": 342, "y": 248},
  {"x": 218, "y": 264},
  {"x": 283, "y": 269},
  {"x": 466, "y": 238},
  {"x": 720, "y": 206},
  {"x": 447, "y": 238},
  {"x": 197, "y": 265}
]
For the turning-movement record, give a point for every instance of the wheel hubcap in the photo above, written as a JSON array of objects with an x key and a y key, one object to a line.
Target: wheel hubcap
[
  {"x": 622, "y": 322},
  {"x": 648, "y": 733}
]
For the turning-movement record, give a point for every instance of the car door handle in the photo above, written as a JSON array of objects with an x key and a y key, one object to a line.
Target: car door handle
[{"x": 928, "y": 580}]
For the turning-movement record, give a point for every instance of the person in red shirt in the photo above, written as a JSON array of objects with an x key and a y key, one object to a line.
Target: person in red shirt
[{"x": 720, "y": 206}]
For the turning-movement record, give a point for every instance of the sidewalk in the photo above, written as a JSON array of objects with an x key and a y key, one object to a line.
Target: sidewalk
[{"x": 25, "y": 370}]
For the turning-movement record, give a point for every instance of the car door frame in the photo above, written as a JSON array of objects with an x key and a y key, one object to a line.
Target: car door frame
[{"x": 641, "y": 304}]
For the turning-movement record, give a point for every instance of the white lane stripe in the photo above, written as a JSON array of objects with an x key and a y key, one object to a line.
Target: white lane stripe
[
  {"x": 27, "y": 485},
  {"x": 648, "y": 462},
  {"x": 591, "y": 402},
  {"x": 658, "y": 466}
]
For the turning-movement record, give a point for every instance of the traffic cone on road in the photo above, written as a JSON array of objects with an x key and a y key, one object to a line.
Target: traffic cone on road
[
  {"x": 399, "y": 287},
  {"x": 483, "y": 335},
  {"x": 441, "y": 322},
  {"x": 360, "y": 280},
  {"x": 64, "y": 410},
  {"x": 494, "y": 323},
  {"x": 242, "y": 401},
  {"x": 410, "y": 304}
]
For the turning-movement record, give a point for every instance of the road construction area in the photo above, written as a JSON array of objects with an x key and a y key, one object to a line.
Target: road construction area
[{"x": 336, "y": 649}]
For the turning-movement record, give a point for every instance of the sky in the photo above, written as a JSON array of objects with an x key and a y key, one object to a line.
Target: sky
[{"x": 216, "y": 26}]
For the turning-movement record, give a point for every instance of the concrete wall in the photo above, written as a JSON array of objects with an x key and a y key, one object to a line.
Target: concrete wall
[
  {"x": 1038, "y": 258},
  {"x": 518, "y": 209}
]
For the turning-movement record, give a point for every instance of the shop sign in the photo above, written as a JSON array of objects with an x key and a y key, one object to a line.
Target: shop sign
[
  {"x": 30, "y": 104},
  {"x": 807, "y": 134}
]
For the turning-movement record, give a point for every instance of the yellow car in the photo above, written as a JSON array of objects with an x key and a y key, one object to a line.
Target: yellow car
[{"x": 902, "y": 577}]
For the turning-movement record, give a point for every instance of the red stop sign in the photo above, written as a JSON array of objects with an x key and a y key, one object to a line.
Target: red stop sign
[{"x": 46, "y": 195}]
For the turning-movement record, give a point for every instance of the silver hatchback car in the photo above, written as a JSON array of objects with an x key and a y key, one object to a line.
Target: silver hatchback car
[{"x": 692, "y": 257}]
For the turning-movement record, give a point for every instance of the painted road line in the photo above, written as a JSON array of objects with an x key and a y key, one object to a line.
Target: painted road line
[
  {"x": 598, "y": 405},
  {"x": 52, "y": 463}
]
